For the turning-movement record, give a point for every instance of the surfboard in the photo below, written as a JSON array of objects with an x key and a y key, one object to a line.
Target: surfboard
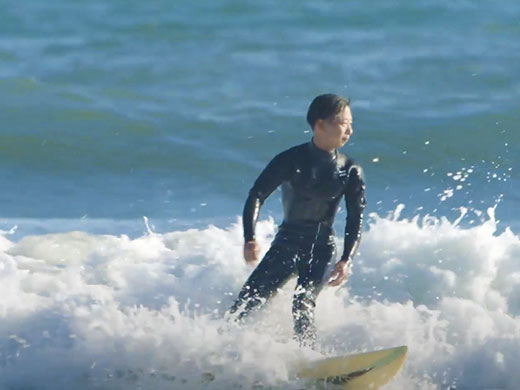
[{"x": 369, "y": 370}]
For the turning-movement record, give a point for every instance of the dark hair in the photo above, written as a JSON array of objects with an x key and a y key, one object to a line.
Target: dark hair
[{"x": 326, "y": 106}]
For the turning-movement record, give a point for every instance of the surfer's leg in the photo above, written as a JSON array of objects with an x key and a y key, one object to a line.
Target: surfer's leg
[
  {"x": 311, "y": 270},
  {"x": 272, "y": 272}
]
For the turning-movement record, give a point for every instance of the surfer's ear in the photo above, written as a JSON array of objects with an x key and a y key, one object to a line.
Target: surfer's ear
[{"x": 318, "y": 125}]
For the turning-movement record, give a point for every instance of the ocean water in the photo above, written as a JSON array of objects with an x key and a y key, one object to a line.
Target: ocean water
[{"x": 131, "y": 132}]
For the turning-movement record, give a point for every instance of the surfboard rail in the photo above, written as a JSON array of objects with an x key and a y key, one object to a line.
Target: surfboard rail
[{"x": 367, "y": 370}]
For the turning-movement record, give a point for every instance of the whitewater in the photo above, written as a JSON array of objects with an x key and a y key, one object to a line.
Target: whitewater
[{"x": 93, "y": 311}]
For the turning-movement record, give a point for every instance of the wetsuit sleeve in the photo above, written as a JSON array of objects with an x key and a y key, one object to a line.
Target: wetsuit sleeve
[
  {"x": 355, "y": 203},
  {"x": 278, "y": 170}
]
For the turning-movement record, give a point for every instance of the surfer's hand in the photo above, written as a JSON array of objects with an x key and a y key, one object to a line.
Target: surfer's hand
[
  {"x": 251, "y": 251},
  {"x": 339, "y": 274}
]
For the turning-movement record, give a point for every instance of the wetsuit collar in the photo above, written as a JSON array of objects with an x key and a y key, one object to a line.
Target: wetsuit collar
[{"x": 320, "y": 153}]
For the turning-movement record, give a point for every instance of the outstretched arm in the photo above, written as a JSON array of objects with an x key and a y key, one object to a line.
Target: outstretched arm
[{"x": 278, "y": 170}]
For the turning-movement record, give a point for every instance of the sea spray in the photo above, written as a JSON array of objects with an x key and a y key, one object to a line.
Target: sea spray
[{"x": 104, "y": 311}]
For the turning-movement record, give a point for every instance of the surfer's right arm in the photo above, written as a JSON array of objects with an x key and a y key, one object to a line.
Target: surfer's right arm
[{"x": 277, "y": 171}]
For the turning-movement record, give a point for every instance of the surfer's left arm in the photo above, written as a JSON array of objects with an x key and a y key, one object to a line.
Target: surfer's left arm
[{"x": 355, "y": 204}]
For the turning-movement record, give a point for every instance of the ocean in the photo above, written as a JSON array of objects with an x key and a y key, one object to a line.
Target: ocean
[{"x": 130, "y": 135}]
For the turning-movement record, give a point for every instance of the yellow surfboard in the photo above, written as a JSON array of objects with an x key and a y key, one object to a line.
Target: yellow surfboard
[{"x": 362, "y": 371}]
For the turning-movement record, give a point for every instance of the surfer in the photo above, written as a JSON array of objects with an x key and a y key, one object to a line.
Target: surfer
[{"x": 314, "y": 177}]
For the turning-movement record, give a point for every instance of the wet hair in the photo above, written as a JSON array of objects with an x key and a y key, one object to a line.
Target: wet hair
[{"x": 326, "y": 106}]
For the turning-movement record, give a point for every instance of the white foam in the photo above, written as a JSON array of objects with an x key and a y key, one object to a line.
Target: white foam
[{"x": 105, "y": 311}]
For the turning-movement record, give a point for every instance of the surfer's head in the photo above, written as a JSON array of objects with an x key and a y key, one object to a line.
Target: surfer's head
[{"x": 330, "y": 118}]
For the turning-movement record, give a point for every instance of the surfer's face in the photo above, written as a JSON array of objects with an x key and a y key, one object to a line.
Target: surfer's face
[{"x": 335, "y": 131}]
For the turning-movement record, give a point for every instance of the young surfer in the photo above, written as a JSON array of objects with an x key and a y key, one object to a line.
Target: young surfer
[{"x": 314, "y": 178}]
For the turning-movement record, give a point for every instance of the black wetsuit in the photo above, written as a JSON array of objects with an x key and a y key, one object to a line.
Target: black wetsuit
[{"x": 313, "y": 183}]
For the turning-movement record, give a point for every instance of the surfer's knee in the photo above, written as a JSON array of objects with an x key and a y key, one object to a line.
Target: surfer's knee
[{"x": 305, "y": 297}]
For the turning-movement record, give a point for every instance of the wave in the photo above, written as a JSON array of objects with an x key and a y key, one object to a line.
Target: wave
[{"x": 105, "y": 311}]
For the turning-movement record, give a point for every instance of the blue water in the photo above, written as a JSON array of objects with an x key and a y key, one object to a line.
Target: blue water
[{"x": 170, "y": 110}]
